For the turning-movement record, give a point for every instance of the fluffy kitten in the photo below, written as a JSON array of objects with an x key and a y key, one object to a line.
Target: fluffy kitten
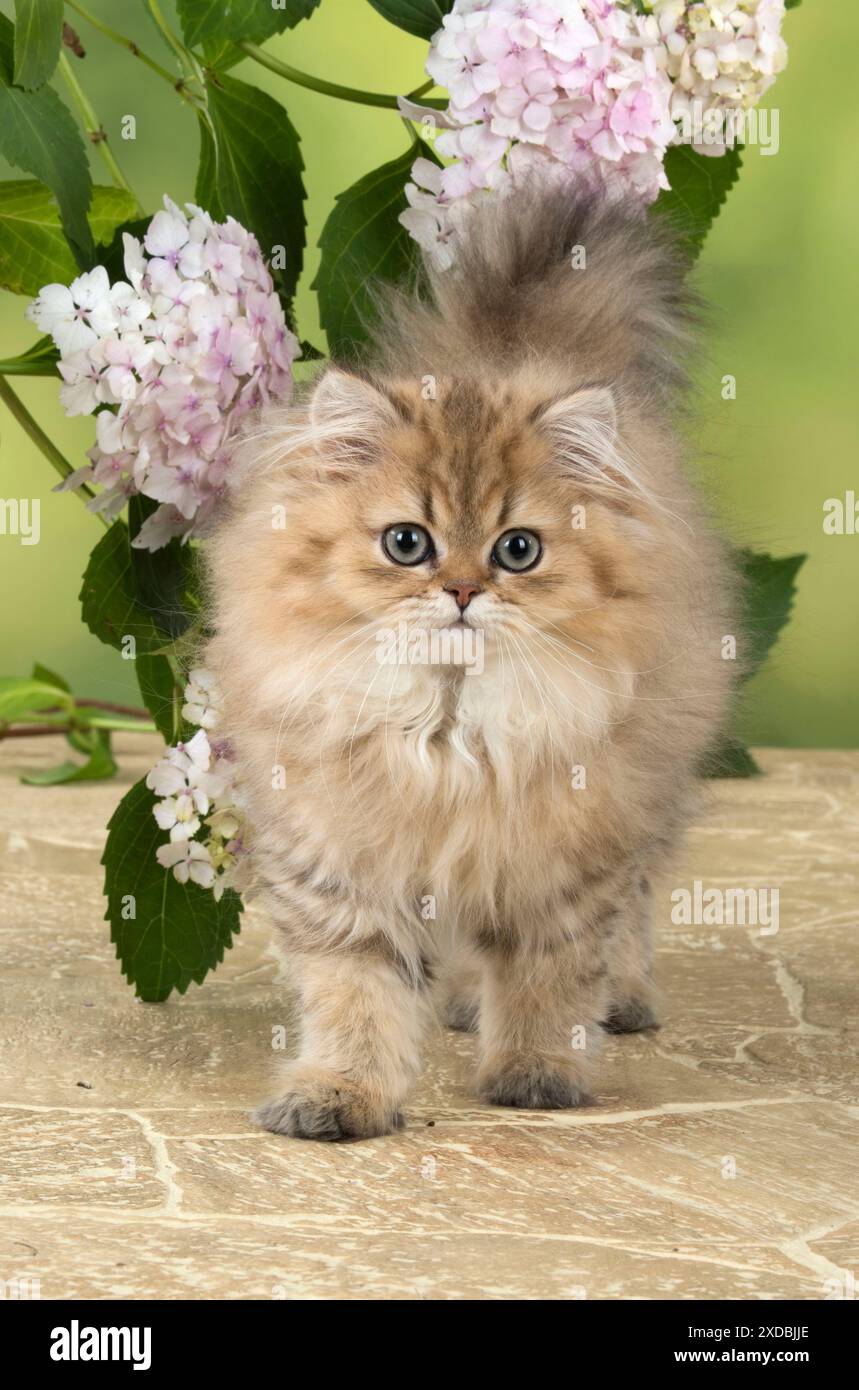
[{"x": 505, "y": 469}]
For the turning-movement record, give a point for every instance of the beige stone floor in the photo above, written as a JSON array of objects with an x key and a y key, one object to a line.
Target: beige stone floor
[{"x": 129, "y": 1167}]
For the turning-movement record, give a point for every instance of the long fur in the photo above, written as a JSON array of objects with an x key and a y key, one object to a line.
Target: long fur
[{"x": 497, "y": 831}]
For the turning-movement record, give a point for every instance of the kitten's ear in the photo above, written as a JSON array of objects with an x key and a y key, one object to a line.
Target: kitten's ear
[
  {"x": 583, "y": 430},
  {"x": 348, "y": 416}
]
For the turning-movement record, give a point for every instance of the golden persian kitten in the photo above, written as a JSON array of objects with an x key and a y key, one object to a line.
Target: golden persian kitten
[{"x": 467, "y": 623}]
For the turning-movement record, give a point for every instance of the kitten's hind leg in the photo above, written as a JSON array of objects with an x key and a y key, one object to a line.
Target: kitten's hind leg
[
  {"x": 632, "y": 996},
  {"x": 457, "y": 989}
]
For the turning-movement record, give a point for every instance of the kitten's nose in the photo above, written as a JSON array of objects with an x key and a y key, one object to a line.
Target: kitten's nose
[{"x": 464, "y": 591}]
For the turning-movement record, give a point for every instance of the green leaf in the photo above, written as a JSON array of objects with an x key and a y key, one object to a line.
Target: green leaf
[
  {"x": 699, "y": 186},
  {"x": 39, "y": 360},
  {"x": 38, "y": 33},
  {"x": 251, "y": 170},
  {"x": 768, "y": 591},
  {"x": 231, "y": 20},
  {"x": 164, "y": 580},
  {"x": 48, "y": 677},
  {"x": 157, "y": 689},
  {"x": 129, "y": 593},
  {"x": 109, "y": 604},
  {"x": 178, "y": 932},
  {"x": 768, "y": 594},
  {"x": 420, "y": 17},
  {"x": 99, "y": 765},
  {"x": 33, "y": 247},
  {"x": 363, "y": 242},
  {"x": 18, "y": 698},
  {"x": 729, "y": 759},
  {"x": 38, "y": 134},
  {"x": 309, "y": 353}
]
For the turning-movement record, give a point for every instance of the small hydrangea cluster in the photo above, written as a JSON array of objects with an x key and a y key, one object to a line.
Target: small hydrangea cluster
[
  {"x": 722, "y": 54},
  {"x": 583, "y": 89},
  {"x": 198, "y": 783},
  {"x": 171, "y": 360}
]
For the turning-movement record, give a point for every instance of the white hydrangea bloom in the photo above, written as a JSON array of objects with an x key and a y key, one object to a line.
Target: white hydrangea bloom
[{"x": 196, "y": 782}]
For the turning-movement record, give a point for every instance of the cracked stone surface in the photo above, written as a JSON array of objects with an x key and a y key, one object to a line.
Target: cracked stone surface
[{"x": 718, "y": 1162}]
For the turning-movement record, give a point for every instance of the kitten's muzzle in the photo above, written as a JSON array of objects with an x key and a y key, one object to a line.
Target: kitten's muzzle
[{"x": 463, "y": 591}]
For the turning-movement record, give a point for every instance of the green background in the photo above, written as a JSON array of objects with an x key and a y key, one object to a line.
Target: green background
[{"x": 779, "y": 269}]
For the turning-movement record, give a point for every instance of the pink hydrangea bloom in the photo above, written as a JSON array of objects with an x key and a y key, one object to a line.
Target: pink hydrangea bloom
[
  {"x": 584, "y": 90},
  {"x": 179, "y": 354}
]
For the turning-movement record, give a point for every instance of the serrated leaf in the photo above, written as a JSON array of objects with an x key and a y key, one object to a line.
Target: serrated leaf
[
  {"x": 100, "y": 765},
  {"x": 363, "y": 242},
  {"x": 157, "y": 690},
  {"x": 38, "y": 33},
  {"x": 163, "y": 579},
  {"x": 230, "y": 20},
  {"x": 109, "y": 604},
  {"x": 178, "y": 933},
  {"x": 730, "y": 758},
  {"x": 309, "y": 353},
  {"x": 768, "y": 591},
  {"x": 38, "y": 134},
  {"x": 251, "y": 170},
  {"x": 33, "y": 246},
  {"x": 130, "y": 593},
  {"x": 699, "y": 186},
  {"x": 419, "y": 17},
  {"x": 768, "y": 594}
]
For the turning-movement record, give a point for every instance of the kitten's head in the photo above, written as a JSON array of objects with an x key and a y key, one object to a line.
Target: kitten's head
[{"x": 503, "y": 506}]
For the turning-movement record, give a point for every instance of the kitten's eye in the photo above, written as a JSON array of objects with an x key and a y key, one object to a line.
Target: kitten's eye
[
  {"x": 517, "y": 550},
  {"x": 406, "y": 544}
]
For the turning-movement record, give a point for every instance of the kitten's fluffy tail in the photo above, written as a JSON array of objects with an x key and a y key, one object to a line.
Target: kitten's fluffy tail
[{"x": 546, "y": 272}]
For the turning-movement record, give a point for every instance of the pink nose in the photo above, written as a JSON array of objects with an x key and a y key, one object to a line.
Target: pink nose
[{"x": 464, "y": 591}]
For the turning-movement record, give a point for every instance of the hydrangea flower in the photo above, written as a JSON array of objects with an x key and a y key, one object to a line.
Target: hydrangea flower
[
  {"x": 585, "y": 90},
  {"x": 196, "y": 782},
  {"x": 172, "y": 360},
  {"x": 721, "y": 55}
]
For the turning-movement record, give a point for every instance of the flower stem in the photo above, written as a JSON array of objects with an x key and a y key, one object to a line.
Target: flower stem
[
  {"x": 41, "y": 440},
  {"x": 119, "y": 726},
  {"x": 22, "y": 366},
  {"x": 187, "y": 61},
  {"x": 333, "y": 89},
  {"x": 94, "y": 128},
  {"x": 125, "y": 43},
  {"x": 132, "y": 711}
]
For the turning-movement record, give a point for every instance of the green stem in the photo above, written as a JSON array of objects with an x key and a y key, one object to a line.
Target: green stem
[
  {"x": 94, "y": 128},
  {"x": 41, "y": 440},
  {"x": 20, "y": 366},
  {"x": 108, "y": 707},
  {"x": 125, "y": 43},
  {"x": 187, "y": 61},
  {"x": 333, "y": 89},
  {"x": 119, "y": 726}
]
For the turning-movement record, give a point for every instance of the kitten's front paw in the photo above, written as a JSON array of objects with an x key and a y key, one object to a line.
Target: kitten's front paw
[
  {"x": 321, "y": 1104},
  {"x": 631, "y": 1016},
  {"x": 531, "y": 1084}
]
